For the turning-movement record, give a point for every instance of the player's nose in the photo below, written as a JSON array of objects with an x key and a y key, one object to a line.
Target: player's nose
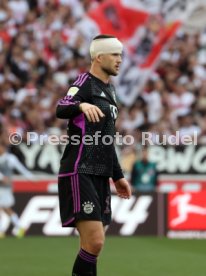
[{"x": 119, "y": 58}]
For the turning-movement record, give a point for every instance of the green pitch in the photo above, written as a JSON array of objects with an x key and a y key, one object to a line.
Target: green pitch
[{"x": 39, "y": 256}]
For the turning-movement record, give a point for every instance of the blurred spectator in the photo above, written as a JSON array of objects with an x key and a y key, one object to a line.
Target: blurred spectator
[
  {"x": 187, "y": 126},
  {"x": 180, "y": 100},
  {"x": 9, "y": 163},
  {"x": 134, "y": 119},
  {"x": 19, "y": 9},
  {"x": 153, "y": 100},
  {"x": 144, "y": 174}
]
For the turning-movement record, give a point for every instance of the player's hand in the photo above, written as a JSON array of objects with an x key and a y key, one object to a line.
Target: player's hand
[
  {"x": 92, "y": 112},
  {"x": 123, "y": 188}
]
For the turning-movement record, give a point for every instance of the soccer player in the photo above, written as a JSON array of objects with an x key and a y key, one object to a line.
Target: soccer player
[
  {"x": 87, "y": 164},
  {"x": 9, "y": 163}
]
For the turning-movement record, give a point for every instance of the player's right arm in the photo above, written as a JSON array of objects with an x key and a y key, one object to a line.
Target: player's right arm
[
  {"x": 77, "y": 101},
  {"x": 92, "y": 112}
]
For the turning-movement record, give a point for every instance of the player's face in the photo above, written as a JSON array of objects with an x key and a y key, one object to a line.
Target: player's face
[{"x": 110, "y": 63}]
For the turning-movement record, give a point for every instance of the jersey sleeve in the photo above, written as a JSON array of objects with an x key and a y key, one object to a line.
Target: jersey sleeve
[
  {"x": 79, "y": 92},
  {"x": 117, "y": 170}
]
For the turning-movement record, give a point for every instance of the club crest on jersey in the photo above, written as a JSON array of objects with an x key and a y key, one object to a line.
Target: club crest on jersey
[
  {"x": 72, "y": 91},
  {"x": 88, "y": 207}
]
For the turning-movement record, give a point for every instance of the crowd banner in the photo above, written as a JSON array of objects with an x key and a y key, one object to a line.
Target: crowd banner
[
  {"x": 170, "y": 160},
  {"x": 145, "y": 27},
  {"x": 180, "y": 159},
  {"x": 40, "y": 158}
]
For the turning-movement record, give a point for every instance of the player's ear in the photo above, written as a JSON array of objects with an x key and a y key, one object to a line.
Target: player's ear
[{"x": 99, "y": 58}]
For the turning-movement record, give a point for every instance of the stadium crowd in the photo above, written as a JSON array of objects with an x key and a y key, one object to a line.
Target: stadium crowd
[{"x": 43, "y": 47}]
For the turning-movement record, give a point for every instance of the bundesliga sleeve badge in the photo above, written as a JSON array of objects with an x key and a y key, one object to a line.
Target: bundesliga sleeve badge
[{"x": 72, "y": 91}]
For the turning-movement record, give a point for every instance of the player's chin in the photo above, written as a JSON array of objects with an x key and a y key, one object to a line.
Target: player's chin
[{"x": 115, "y": 73}]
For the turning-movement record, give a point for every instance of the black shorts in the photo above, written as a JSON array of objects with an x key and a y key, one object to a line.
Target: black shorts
[{"x": 84, "y": 197}]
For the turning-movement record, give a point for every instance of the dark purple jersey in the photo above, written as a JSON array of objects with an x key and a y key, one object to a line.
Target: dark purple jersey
[{"x": 96, "y": 153}]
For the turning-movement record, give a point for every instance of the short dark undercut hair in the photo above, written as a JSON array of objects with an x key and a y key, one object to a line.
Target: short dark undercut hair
[{"x": 103, "y": 36}]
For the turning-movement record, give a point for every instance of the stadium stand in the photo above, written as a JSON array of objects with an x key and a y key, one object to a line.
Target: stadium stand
[{"x": 43, "y": 49}]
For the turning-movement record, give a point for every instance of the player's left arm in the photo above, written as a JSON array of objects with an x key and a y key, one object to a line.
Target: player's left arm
[
  {"x": 121, "y": 184},
  {"x": 123, "y": 188}
]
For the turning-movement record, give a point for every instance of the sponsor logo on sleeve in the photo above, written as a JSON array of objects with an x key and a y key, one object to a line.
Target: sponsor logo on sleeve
[{"x": 72, "y": 91}]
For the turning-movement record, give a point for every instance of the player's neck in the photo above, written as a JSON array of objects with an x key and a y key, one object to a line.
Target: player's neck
[{"x": 98, "y": 73}]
